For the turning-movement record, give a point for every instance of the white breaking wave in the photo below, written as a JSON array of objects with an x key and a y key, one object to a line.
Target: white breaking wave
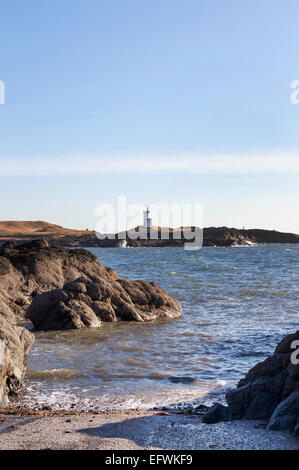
[{"x": 37, "y": 398}]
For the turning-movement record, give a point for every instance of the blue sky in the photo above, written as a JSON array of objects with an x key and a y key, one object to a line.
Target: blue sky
[{"x": 161, "y": 101}]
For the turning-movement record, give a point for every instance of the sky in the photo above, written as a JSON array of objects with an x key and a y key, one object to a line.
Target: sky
[{"x": 161, "y": 101}]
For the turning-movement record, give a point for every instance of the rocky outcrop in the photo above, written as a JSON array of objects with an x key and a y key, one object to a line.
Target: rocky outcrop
[
  {"x": 25, "y": 271},
  {"x": 67, "y": 288},
  {"x": 88, "y": 301},
  {"x": 269, "y": 391},
  {"x": 32, "y": 268},
  {"x": 211, "y": 236},
  {"x": 15, "y": 342},
  {"x": 224, "y": 236}
]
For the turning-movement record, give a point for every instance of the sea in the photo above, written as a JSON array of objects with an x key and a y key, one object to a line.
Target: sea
[{"x": 238, "y": 303}]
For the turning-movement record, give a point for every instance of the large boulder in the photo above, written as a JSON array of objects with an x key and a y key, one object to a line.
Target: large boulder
[
  {"x": 286, "y": 415},
  {"x": 15, "y": 342},
  {"x": 91, "y": 299},
  {"x": 216, "y": 413},
  {"x": 35, "y": 267},
  {"x": 269, "y": 391}
]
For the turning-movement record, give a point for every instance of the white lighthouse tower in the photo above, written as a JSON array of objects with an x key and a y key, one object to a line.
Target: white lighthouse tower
[{"x": 147, "y": 221}]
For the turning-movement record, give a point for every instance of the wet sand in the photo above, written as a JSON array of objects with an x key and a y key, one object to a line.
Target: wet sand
[{"x": 133, "y": 430}]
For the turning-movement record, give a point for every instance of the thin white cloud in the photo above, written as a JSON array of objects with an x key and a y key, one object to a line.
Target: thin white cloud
[{"x": 178, "y": 163}]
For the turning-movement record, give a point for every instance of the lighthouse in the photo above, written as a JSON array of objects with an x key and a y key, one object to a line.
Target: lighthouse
[{"x": 147, "y": 221}]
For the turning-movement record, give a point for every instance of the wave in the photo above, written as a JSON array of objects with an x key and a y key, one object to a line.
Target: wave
[
  {"x": 81, "y": 400},
  {"x": 52, "y": 373}
]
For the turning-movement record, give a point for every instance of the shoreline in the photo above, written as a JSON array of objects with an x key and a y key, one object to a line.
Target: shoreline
[
  {"x": 140, "y": 352},
  {"x": 133, "y": 430}
]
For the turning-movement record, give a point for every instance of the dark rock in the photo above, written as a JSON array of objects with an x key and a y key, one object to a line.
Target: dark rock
[
  {"x": 286, "y": 415},
  {"x": 269, "y": 391},
  {"x": 254, "y": 401},
  {"x": 216, "y": 413},
  {"x": 266, "y": 384},
  {"x": 8, "y": 245},
  {"x": 32, "y": 268},
  {"x": 14, "y": 386},
  {"x": 5, "y": 266},
  {"x": 39, "y": 244},
  {"x": 89, "y": 300},
  {"x": 15, "y": 342},
  {"x": 201, "y": 408}
]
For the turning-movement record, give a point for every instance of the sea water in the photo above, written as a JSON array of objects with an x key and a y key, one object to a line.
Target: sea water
[{"x": 238, "y": 302}]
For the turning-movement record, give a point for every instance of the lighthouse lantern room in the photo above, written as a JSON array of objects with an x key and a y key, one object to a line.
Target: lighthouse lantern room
[{"x": 147, "y": 221}]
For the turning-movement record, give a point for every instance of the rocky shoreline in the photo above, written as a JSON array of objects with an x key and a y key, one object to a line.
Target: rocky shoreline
[
  {"x": 22, "y": 232},
  {"x": 59, "y": 288},
  {"x": 269, "y": 391}
]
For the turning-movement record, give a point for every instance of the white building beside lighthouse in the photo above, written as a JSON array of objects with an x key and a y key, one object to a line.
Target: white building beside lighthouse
[{"x": 147, "y": 221}]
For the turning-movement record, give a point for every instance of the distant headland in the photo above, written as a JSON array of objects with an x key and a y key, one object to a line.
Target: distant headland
[{"x": 22, "y": 231}]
